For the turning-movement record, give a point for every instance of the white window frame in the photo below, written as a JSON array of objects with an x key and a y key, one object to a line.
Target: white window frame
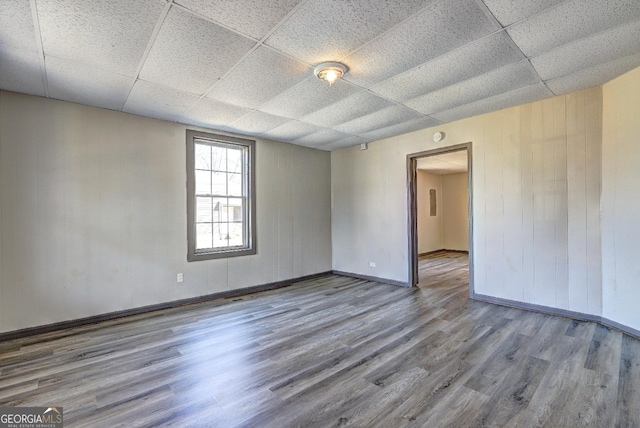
[{"x": 248, "y": 196}]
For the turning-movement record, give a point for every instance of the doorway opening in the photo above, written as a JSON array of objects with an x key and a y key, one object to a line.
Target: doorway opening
[{"x": 440, "y": 215}]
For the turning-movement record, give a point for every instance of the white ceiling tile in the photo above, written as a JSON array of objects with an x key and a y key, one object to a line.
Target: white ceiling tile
[
  {"x": 571, "y": 21},
  {"x": 327, "y": 30},
  {"x": 519, "y": 96},
  {"x": 308, "y": 96},
  {"x": 443, "y": 169},
  {"x": 401, "y": 128},
  {"x": 474, "y": 59},
  {"x": 598, "y": 49},
  {"x": 81, "y": 84},
  {"x": 257, "y": 122},
  {"x": 148, "y": 99},
  {"x": 20, "y": 71},
  {"x": 260, "y": 77},
  {"x": 213, "y": 114},
  {"x": 511, "y": 11},
  {"x": 109, "y": 35},
  {"x": 446, "y": 163},
  {"x": 291, "y": 131},
  {"x": 352, "y": 107},
  {"x": 16, "y": 26},
  {"x": 324, "y": 136},
  {"x": 246, "y": 16},
  {"x": 190, "y": 53},
  {"x": 593, "y": 76},
  {"x": 495, "y": 82},
  {"x": 379, "y": 119},
  {"x": 425, "y": 36}
]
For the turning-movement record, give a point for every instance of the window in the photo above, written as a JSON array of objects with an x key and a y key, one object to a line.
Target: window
[{"x": 220, "y": 196}]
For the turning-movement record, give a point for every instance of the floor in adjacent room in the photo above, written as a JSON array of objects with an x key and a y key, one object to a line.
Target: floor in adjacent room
[{"x": 334, "y": 351}]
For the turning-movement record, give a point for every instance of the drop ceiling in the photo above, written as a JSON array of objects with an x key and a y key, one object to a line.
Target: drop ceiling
[
  {"x": 246, "y": 66},
  {"x": 446, "y": 163}
]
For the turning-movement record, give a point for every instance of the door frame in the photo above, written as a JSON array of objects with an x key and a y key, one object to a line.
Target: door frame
[{"x": 412, "y": 197}]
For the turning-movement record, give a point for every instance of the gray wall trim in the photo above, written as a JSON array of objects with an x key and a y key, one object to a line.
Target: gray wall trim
[
  {"x": 623, "y": 328},
  {"x": 48, "y": 328},
  {"x": 372, "y": 278},
  {"x": 558, "y": 312}
]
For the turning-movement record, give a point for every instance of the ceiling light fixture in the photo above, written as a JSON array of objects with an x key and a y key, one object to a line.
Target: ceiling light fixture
[{"x": 330, "y": 71}]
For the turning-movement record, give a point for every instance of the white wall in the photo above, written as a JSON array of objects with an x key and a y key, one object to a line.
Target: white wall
[
  {"x": 455, "y": 212},
  {"x": 621, "y": 200},
  {"x": 93, "y": 214},
  {"x": 449, "y": 228},
  {"x": 429, "y": 227},
  {"x": 536, "y": 189}
]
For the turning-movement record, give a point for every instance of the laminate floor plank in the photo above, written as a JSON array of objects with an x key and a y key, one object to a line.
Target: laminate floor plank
[
  {"x": 557, "y": 388},
  {"x": 604, "y": 353},
  {"x": 628, "y": 409},
  {"x": 333, "y": 351}
]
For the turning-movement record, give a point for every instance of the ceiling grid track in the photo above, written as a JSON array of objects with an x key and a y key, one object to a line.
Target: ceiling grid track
[
  {"x": 493, "y": 19},
  {"x": 36, "y": 27},
  {"x": 152, "y": 39},
  {"x": 258, "y": 44},
  {"x": 390, "y": 29}
]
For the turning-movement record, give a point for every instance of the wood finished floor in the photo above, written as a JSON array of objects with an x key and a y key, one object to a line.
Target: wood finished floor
[{"x": 334, "y": 351}]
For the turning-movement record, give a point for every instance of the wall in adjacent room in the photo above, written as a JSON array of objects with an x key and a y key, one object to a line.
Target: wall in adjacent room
[
  {"x": 93, "y": 214},
  {"x": 455, "y": 212},
  {"x": 621, "y": 200},
  {"x": 429, "y": 227},
  {"x": 536, "y": 192}
]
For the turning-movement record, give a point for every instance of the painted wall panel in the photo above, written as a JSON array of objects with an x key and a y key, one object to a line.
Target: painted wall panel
[
  {"x": 593, "y": 114},
  {"x": 576, "y": 203},
  {"x": 429, "y": 227},
  {"x": 93, "y": 214},
  {"x": 494, "y": 210},
  {"x": 620, "y": 203},
  {"x": 478, "y": 185},
  {"x": 561, "y": 214},
  {"x": 512, "y": 205},
  {"x": 455, "y": 212},
  {"x": 526, "y": 174}
]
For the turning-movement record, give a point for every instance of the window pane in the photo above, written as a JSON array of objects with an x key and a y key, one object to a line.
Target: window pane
[
  {"x": 235, "y": 209},
  {"x": 234, "y": 159},
  {"x": 219, "y": 179},
  {"x": 219, "y": 159},
  {"x": 203, "y": 183},
  {"x": 219, "y": 183},
  {"x": 236, "y": 234},
  {"x": 220, "y": 209},
  {"x": 204, "y": 237},
  {"x": 203, "y": 209},
  {"x": 235, "y": 184},
  {"x": 203, "y": 156},
  {"x": 220, "y": 235}
]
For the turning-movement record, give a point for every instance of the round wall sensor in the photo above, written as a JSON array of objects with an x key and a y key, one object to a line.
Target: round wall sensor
[{"x": 438, "y": 136}]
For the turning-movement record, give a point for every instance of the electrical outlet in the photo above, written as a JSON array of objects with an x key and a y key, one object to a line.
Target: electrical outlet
[
  {"x": 180, "y": 277},
  {"x": 372, "y": 264}
]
